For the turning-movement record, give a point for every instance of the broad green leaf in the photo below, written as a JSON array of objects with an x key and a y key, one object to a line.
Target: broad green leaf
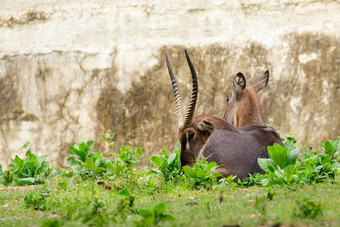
[
  {"x": 163, "y": 168},
  {"x": 145, "y": 213},
  {"x": 289, "y": 170},
  {"x": 1, "y": 173},
  {"x": 18, "y": 164},
  {"x": 159, "y": 209},
  {"x": 326, "y": 166},
  {"x": 42, "y": 158},
  {"x": 31, "y": 166},
  {"x": 263, "y": 163},
  {"x": 171, "y": 158},
  {"x": 165, "y": 153},
  {"x": 265, "y": 182},
  {"x": 188, "y": 171},
  {"x": 168, "y": 218},
  {"x": 157, "y": 160},
  {"x": 26, "y": 181},
  {"x": 99, "y": 170},
  {"x": 278, "y": 154},
  {"x": 63, "y": 185},
  {"x": 125, "y": 192},
  {"x": 274, "y": 182},
  {"x": 82, "y": 154},
  {"x": 271, "y": 165},
  {"x": 72, "y": 162},
  {"x": 292, "y": 156},
  {"x": 328, "y": 147},
  {"x": 89, "y": 163},
  {"x": 317, "y": 169},
  {"x": 211, "y": 165},
  {"x": 89, "y": 145},
  {"x": 43, "y": 168}
]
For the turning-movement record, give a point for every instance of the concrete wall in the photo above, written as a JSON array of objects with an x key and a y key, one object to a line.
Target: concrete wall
[{"x": 76, "y": 69}]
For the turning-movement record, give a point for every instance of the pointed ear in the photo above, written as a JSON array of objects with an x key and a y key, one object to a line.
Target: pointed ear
[
  {"x": 239, "y": 82},
  {"x": 262, "y": 82},
  {"x": 205, "y": 126}
]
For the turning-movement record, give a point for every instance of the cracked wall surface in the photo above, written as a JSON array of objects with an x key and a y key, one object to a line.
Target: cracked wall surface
[{"x": 71, "y": 70}]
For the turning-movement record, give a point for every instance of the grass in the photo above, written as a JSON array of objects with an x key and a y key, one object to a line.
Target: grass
[
  {"x": 243, "y": 206},
  {"x": 119, "y": 192}
]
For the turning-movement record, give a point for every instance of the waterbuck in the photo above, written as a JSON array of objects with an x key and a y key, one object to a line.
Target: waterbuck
[
  {"x": 244, "y": 107},
  {"x": 235, "y": 150}
]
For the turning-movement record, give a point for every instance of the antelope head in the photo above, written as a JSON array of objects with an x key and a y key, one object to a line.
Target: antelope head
[
  {"x": 193, "y": 131},
  {"x": 244, "y": 107}
]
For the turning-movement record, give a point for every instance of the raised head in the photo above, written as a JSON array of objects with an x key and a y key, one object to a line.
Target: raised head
[{"x": 244, "y": 107}]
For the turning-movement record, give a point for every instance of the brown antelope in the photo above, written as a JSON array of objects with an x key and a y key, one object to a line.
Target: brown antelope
[
  {"x": 244, "y": 107},
  {"x": 235, "y": 150}
]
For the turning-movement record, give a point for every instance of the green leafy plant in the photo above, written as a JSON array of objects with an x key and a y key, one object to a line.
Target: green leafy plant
[
  {"x": 280, "y": 167},
  {"x": 98, "y": 214},
  {"x": 79, "y": 153},
  {"x": 332, "y": 147},
  {"x": 125, "y": 206},
  {"x": 284, "y": 166},
  {"x": 6, "y": 178},
  {"x": 251, "y": 180},
  {"x": 29, "y": 170},
  {"x": 127, "y": 158},
  {"x": 64, "y": 185},
  {"x": 65, "y": 172},
  {"x": 202, "y": 174},
  {"x": 37, "y": 201},
  {"x": 226, "y": 181},
  {"x": 153, "y": 216},
  {"x": 169, "y": 166},
  {"x": 317, "y": 166},
  {"x": 307, "y": 209},
  {"x": 87, "y": 165},
  {"x": 109, "y": 139}
]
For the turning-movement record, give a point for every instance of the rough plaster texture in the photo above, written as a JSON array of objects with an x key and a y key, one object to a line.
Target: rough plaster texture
[{"x": 76, "y": 69}]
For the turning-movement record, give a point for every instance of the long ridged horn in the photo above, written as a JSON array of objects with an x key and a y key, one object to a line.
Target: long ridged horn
[
  {"x": 178, "y": 101},
  {"x": 194, "y": 92}
]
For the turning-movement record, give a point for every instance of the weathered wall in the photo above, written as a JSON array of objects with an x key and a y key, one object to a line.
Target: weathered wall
[{"x": 73, "y": 70}]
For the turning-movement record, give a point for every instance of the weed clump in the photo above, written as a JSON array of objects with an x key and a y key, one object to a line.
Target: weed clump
[
  {"x": 307, "y": 209},
  {"x": 30, "y": 170}
]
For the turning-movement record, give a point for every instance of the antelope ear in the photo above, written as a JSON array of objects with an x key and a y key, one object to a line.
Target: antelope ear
[
  {"x": 262, "y": 82},
  {"x": 205, "y": 126},
  {"x": 239, "y": 82}
]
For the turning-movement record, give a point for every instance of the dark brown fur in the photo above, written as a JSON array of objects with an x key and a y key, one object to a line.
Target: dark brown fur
[{"x": 236, "y": 150}]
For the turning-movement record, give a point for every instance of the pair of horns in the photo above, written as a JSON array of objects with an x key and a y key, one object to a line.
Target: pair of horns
[{"x": 179, "y": 109}]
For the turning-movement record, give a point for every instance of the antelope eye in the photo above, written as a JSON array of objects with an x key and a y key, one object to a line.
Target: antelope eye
[
  {"x": 227, "y": 99},
  {"x": 191, "y": 135}
]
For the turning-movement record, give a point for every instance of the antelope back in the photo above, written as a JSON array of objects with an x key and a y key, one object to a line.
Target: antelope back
[
  {"x": 244, "y": 107},
  {"x": 236, "y": 152}
]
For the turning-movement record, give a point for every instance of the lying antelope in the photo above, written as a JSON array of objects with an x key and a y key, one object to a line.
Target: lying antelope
[
  {"x": 244, "y": 107},
  {"x": 235, "y": 150}
]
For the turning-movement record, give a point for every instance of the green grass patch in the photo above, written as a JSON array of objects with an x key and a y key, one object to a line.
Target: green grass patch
[
  {"x": 252, "y": 206},
  {"x": 99, "y": 191}
]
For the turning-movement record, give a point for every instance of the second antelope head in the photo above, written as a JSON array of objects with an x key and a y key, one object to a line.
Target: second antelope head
[{"x": 244, "y": 107}]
